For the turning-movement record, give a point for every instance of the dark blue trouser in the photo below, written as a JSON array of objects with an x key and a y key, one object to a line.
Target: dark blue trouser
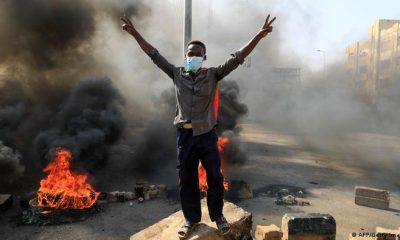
[{"x": 191, "y": 149}]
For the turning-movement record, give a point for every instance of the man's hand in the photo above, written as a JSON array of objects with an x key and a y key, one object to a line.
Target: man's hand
[
  {"x": 266, "y": 28},
  {"x": 127, "y": 26}
]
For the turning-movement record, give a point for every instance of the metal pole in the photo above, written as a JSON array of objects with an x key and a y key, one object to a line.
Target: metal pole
[{"x": 187, "y": 35}]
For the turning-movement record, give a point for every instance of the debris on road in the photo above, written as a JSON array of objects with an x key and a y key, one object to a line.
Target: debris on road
[
  {"x": 270, "y": 232},
  {"x": 142, "y": 192},
  {"x": 238, "y": 190},
  {"x": 308, "y": 226},
  {"x": 372, "y": 197},
  {"x": 284, "y": 194}
]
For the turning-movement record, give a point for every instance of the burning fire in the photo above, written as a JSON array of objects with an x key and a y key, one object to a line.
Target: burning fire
[
  {"x": 222, "y": 144},
  {"x": 65, "y": 189}
]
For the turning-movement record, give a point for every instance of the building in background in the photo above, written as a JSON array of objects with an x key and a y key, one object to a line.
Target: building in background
[
  {"x": 374, "y": 64},
  {"x": 284, "y": 84},
  {"x": 286, "y": 80}
]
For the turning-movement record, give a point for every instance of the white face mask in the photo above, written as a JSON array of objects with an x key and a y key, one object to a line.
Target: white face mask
[{"x": 193, "y": 63}]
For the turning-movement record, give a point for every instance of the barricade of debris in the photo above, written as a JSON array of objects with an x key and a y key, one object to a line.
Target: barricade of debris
[
  {"x": 142, "y": 192},
  {"x": 284, "y": 194}
]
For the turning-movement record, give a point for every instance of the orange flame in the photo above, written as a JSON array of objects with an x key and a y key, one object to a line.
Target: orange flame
[
  {"x": 65, "y": 189},
  {"x": 222, "y": 144}
]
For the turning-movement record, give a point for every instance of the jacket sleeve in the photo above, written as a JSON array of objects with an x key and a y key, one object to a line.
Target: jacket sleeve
[
  {"x": 229, "y": 65},
  {"x": 162, "y": 63}
]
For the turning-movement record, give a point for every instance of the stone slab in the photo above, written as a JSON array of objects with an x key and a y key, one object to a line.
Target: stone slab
[
  {"x": 308, "y": 226},
  {"x": 372, "y": 193},
  {"x": 269, "y": 232},
  {"x": 311, "y": 236},
  {"x": 371, "y": 202},
  {"x": 166, "y": 229}
]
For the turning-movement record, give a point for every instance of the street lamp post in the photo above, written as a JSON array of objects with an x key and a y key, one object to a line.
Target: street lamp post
[{"x": 187, "y": 25}]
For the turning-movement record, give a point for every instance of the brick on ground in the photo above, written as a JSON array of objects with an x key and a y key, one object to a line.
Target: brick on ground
[
  {"x": 372, "y": 197},
  {"x": 270, "y": 232},
  {"x": 308, "y": 226}
]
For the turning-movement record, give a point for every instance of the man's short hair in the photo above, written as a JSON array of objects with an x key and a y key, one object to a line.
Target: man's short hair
[{"x": 198, "y": 43}]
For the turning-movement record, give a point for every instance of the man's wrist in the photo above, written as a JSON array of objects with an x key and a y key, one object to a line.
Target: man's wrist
[
  {"x": 259, "y": 36},
  {"x": 132, "y": 31}
]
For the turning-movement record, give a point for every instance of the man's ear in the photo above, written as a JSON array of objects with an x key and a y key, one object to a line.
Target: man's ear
[{"x": 205, "y": 57}]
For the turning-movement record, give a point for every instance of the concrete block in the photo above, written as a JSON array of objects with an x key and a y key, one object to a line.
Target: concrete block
[
  {"x": 372, "y": 193},
  {"x": 317, "y": 226},
  {"x": 166, "y": 229},
  {"x": 311, "y": 236},
  {"x": 269, "y": 232},
  {"x": 371, "y": 202}
]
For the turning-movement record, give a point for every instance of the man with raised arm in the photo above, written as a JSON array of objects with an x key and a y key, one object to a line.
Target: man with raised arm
[{"x": 195, "y": 120}]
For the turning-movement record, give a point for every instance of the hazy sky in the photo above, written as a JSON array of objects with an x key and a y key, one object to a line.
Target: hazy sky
[
  {"x": 331, "y": 24},
  {"x": 307, "y": 25}
]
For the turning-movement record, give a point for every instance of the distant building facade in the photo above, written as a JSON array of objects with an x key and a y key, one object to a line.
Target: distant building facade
[{"x": 374, "y": 64}]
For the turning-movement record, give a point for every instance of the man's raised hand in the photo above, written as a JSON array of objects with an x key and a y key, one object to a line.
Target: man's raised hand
[
  {"x": 266, "y": 28},
  {"x": 127, "y": 25}
]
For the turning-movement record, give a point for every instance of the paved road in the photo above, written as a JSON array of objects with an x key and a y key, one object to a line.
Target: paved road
[
  {"x": 278, "y": 158},
  {"x": 273, "y": 158}
]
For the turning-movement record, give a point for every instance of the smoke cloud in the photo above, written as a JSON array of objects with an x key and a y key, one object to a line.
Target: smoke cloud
[
  {"x": 49, "y": 47},
  {"x": 231, "y": 109},
  {"x": 10, "y": 165},
  {"x": 157, "y": 148},
  {"x": 42, "y": 33},
  {"x": 87, "y": 123}
]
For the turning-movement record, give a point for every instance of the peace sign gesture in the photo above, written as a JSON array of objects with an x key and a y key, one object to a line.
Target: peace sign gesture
[
  {"x": 127, "y": 26},
  {"x": 266, "y": 28}
]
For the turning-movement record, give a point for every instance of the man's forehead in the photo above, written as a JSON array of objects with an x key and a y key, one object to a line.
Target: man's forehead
[{"x": 195, "y": 47}]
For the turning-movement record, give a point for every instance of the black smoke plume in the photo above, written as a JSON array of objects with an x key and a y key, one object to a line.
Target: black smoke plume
[
  {"x": 44, "y": 34},
  {"x": 157, "y": 148},
  {"x": 88, "y": 122},
  {"x": 46, "y": 48},
  {"x": 10, "y": 165},
  {"x": 231, "y": 109}
]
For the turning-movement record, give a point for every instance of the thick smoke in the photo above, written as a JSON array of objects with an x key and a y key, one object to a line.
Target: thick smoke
[
  {"x": 13, "y": 108},
  {"x": 10, "y": 165},
  {"x": 157, "y": 143},
  {"x": 157, "y": 147},
  {"x": 88, "y": 122},
  {"x": 44, "y": 34},
  {"x": 327, "y": 115},
  {"x": 231, "y": 109},
  {"x": 47, "y": 48}
]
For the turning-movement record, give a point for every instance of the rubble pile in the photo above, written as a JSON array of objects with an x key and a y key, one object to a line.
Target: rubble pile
[{"x": 284, "y": 194}]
